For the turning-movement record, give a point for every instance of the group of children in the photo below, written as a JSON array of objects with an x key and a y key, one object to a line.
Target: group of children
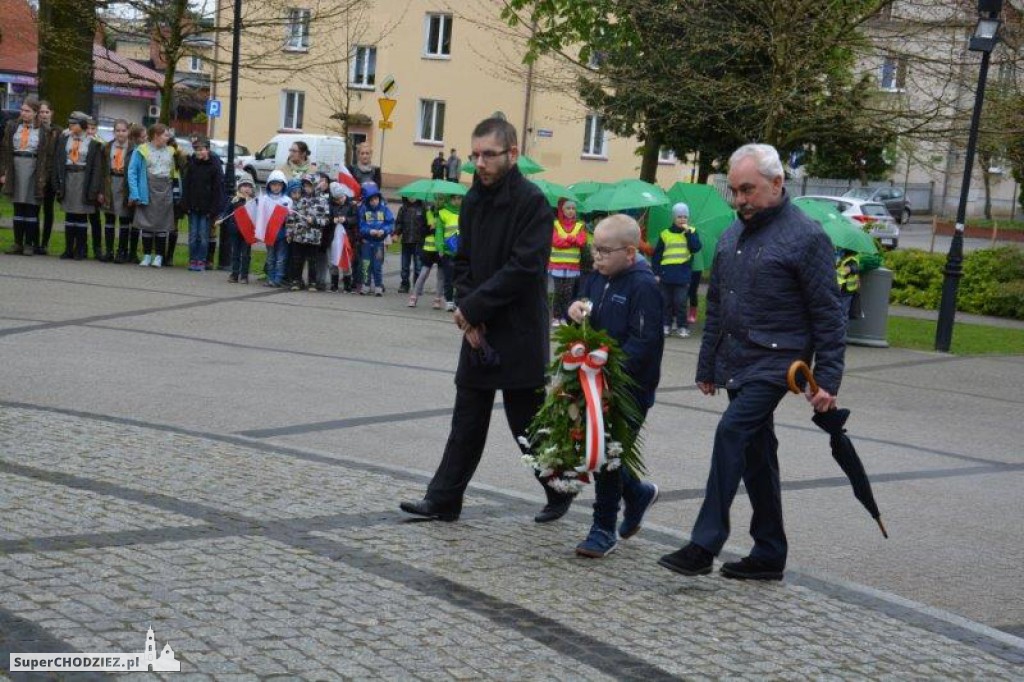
[{"x": 671, "y": 261}]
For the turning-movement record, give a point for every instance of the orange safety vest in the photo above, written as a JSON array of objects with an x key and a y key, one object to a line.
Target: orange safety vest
[{"x": 567, "y": 258}]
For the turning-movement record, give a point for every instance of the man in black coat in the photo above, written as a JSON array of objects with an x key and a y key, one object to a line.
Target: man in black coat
[
  {"x": 772, "y": 299},
  {"x": 501, "y": 292}
]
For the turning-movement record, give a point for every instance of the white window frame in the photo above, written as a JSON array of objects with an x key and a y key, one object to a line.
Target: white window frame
[
  {"x": 595, "y": 138},
  {"x": 297, "y": 38},
  {"x": 195, "y": 63},
  {"x": 433, "y": 105},
  {"x": 892, "y": 76},
  {"x": 293, "y": 106},
  {"x": 437, "y": 51},
  {"x": 667, "y": 156},
  {"x": 366, "y": 56}
]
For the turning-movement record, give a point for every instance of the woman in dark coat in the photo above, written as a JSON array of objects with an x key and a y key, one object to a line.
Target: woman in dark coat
[{"x": 24, "y": 167}]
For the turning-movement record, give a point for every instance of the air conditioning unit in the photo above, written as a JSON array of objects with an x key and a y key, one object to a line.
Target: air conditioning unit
[{"x": 154, "y": 111}]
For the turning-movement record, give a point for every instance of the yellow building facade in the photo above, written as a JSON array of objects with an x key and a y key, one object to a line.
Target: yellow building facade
[{"x": 452, "y": 65}]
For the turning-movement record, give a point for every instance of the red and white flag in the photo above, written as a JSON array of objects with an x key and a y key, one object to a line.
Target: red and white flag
[
  {"x": 245, "y": 220},
  {"x": 270, "y": 217},
  {"x": 346, "y": 179},
  {"x": 341, "y": 250}
]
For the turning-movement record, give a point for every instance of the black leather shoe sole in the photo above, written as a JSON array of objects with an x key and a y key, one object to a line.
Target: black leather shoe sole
[
  {"x": 553, "y": 512},
  {"x": 666, "y": 562},
  {"x": 427, "y": 511},
  {"x": 749, "y": 575}
]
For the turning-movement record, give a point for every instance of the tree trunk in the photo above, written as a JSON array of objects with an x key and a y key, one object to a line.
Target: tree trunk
[
  {"x": 172, "y": 52},
  {"x": 649, "y": 164},
  {"x": 985, "y": 162},
  {"x": 703, "y": 167},
  {"x": 66, "y": 32}
]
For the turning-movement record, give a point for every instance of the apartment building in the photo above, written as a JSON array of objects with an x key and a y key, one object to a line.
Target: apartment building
[{"x": 452, "y": 64}]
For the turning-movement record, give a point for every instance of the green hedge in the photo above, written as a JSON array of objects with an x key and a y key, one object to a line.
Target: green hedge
[{"x": 993, "y": 281}]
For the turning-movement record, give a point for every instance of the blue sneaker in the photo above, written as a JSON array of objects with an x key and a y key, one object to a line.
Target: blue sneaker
[
  {"x": 632, "y": 517},
  {"x": 599, "y": 544}
]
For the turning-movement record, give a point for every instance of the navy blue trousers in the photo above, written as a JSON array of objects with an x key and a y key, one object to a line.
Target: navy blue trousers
[{"x": 746, "y": 448}]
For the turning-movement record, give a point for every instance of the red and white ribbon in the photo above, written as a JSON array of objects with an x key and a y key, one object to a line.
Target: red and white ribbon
[{"x": 592, "y": 380}]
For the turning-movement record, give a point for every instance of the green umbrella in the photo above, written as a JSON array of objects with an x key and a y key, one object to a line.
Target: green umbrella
[
  {"x": 527, "y": 166},
  {"x": 553, "y": 191},
  {"x": 840, "y": 229},
  {"x": 624, "y": 195},
  {"x": 710, "y": 215},
  {"x": 428, "y": 189},
  {"x": 585, "y": 188}
]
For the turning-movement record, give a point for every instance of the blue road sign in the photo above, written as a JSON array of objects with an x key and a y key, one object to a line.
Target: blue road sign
[{"x": 213, "y": 108}]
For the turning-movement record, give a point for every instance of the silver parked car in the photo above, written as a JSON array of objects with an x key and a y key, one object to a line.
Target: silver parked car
[
  {"x": 893, "y": 198},
  {"x": 869, "y": 215}
]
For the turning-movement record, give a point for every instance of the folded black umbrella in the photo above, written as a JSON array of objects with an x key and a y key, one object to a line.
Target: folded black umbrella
[{"x": 833, "y": 423}]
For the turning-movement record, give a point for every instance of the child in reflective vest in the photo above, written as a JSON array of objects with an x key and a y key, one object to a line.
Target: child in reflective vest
[
  {"x": 672, "y": 263},
  {"x": 848, "y": 278},
  {"x": 567, "y": 241}
]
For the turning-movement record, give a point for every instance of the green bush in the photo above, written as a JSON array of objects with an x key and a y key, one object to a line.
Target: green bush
[{"x": 993, "y": 281}]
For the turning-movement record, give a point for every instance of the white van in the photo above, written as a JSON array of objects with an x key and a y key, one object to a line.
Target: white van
[{"x": 326, "y": 151}]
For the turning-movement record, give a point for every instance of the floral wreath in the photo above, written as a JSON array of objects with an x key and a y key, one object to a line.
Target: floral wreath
[{"x": 584, "y": 424}]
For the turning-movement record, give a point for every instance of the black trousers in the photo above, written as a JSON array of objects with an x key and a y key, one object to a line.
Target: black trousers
[
  {"x": 471, "y": 419},
  {"x": 300, "y": 255},
  {"x": 96, "y": 223},
  {"x": 48, "y": 200}
]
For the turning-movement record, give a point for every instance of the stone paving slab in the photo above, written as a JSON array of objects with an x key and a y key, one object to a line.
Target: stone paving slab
[{"x": 255, "y": 560}]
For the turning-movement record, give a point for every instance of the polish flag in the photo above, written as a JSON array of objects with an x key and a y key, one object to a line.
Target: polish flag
[
  {"x": 341, "y": 250},
  {"x": 270, "y": 217},
  {"x": 346, "y": 179},
  {"x": 245, "y": 220}
]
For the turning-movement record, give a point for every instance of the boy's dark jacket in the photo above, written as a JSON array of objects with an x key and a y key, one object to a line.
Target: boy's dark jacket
[{"x": 629, "y": 308}]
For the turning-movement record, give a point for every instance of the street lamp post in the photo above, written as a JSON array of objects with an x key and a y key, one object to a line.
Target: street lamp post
[
  {"x": 236, "y": 35},
  {"x": 984, "y": 40}
]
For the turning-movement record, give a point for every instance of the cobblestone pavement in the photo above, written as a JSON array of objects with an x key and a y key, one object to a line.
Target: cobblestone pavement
[{"x": 254, "y": 559}]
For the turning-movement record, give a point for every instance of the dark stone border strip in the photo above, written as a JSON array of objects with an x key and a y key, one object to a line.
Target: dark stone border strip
[
  {"x": 351, "y": 423},
  {"x": 20, "y": 635},
  {"x": 854, "y": 437},
  {"x": 83, "y": 321},
  {"x": 271, "y": 349},
  {"x": 843, "y": 482},
  {"x": 927, "y": 618}
]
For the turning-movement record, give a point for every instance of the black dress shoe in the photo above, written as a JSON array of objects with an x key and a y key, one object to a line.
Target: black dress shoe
[
  {"x": 430, "y": 510},
  {"x": 554, "y": 509},
  {"x": 690, "y": 560},
  {"x": 749, "y": 568}
]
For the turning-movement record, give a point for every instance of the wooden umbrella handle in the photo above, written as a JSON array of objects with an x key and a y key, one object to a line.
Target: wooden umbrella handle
[{"x": 800, "y": 366}]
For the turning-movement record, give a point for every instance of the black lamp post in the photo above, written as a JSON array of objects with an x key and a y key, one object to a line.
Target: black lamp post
[
  {"x": 236, "y": 35},
  {"x": 986, "y": 35}
]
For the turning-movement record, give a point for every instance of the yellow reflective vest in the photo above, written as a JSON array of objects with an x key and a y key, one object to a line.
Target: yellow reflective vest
[
  {"x": 565, "y": 258},
  {"x": 848, "y": 277},
  {"x": 676, "y": 251},
  {"x": 445, "y": 224}
]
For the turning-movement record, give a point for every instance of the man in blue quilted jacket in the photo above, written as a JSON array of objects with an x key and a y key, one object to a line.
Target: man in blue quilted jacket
[{"x": 772, "y": 299}]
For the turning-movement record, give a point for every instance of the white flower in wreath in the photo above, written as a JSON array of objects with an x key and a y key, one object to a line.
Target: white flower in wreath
[
  {"x": 614, "y": 448},
  {"x": 612, "y": 464},
  {"x": 524, "y": 441}
]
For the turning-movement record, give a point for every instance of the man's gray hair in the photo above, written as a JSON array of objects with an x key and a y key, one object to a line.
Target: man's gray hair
[{"x": 767, "y": 157}]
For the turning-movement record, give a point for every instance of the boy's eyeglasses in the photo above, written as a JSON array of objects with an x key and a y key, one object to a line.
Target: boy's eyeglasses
[
  {"x": 605, "y": 251},
  {"x": 487, "y": 155}
]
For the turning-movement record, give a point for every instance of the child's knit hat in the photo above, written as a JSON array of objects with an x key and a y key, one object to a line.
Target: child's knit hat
[
  {"x": 680, "y": 210},
  {"x": 339, "y": 190}
]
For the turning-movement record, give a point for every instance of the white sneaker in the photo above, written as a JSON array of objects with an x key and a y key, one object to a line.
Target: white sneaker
[
  {"x": 683, "y": 333},
  {"x": 450, "y": 306},
  {"x": 158, "y": 261},
  {"x": 667, "y": 330},
  {"x": 147, "y": 260}
]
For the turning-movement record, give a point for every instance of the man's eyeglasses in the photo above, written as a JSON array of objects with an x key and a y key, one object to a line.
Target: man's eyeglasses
[
  {"x": 605, "y": 251},
  {"x": 293, "y": 150},
  {"x": 487, "y": 155}
]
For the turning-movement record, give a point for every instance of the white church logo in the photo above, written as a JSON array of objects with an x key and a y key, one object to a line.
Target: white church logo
[{"x": 163, "y": 663}]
